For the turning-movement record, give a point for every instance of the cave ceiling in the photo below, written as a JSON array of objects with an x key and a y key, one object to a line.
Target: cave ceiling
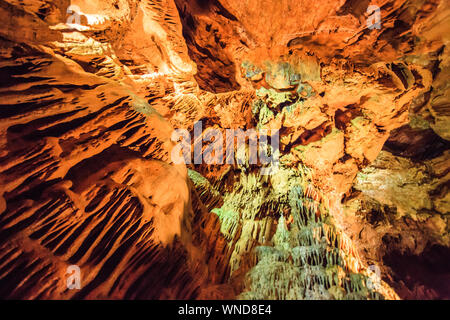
[{"x": 355, "y": 93}]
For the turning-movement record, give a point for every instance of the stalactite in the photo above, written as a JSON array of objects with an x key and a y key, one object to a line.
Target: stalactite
[{"x": 310, "y": 253}]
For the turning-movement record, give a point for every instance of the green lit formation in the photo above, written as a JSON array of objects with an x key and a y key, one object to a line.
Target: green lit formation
[
  {"x": 283, "y": 241},
  {"x": 297, "y": 258},
  {"x": 304, "y": 262}
]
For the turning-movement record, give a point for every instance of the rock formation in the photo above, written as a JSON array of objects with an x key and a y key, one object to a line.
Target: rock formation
[{"x": 94, "y": 92}]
